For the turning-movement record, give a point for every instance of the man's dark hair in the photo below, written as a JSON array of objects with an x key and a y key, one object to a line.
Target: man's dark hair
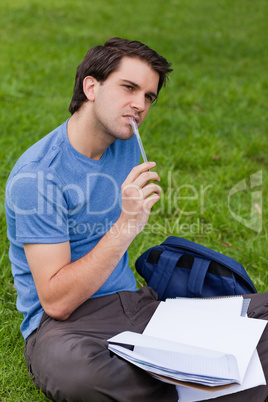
[{"x": 101, "y": 61}]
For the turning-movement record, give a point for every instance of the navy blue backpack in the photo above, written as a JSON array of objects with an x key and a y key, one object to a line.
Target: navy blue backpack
[{"x": 181, "y": 268}]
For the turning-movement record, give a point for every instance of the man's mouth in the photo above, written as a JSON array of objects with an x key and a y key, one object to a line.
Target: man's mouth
[{"x": 128, "y": 116}]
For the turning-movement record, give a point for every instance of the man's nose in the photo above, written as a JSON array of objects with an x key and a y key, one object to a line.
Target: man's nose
[{"x": 138, "y": 103}]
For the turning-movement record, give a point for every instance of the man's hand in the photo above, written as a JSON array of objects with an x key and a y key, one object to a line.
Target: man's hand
[
  {"x": 139, "y": 195},
  {"x": 63, "y": 285}
]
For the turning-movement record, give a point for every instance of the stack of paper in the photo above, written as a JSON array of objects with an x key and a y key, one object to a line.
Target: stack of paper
[{"x": 202, "y": 343}]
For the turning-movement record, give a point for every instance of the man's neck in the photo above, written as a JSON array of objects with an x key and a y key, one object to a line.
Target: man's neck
[{"x": 85, "y": 138}]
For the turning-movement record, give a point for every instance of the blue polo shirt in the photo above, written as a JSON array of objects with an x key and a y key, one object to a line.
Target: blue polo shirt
[{"x": 55, "y": 194}]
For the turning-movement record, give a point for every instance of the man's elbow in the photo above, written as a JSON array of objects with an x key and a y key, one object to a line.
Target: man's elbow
[{"x": 59, "y": 313}]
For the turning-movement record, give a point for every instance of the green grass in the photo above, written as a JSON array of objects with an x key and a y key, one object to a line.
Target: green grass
[{"x": 207, "y": 132}]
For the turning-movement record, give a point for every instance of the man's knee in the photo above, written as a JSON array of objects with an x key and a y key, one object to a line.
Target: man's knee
[
  {"x": 82, "y": 387},
  {"x": 69, "y": 368}
]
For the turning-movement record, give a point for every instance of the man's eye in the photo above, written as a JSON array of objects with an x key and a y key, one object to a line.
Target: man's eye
[
  {"x": 128, "y": 87},
  {"x": 150, "y": 98}
]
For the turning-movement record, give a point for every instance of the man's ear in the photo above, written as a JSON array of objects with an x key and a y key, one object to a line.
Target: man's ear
[{"x": 89, "y": 87}]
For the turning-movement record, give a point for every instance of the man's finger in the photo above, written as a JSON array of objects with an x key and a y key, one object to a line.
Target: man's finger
[
  {"x": 149, "y": 202},
  {"x": 145, "y": 177},
  {"x": 137, "y": 170},
  {"x": 150, "y": 189}
]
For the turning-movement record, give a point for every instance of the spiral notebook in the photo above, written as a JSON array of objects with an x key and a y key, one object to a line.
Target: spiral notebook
[{"x": 201, "y": 343}]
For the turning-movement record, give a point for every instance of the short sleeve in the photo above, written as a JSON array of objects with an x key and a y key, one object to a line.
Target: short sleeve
[{"x": 39, "y": 208}]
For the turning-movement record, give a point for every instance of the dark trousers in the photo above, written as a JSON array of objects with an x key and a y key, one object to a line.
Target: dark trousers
[{"x": 70, "y": 361}]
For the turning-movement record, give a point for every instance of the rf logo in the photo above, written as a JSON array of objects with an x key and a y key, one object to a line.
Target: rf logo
[{"x": 255, "y": 220}]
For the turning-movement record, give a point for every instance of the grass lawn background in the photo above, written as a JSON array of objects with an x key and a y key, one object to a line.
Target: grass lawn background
[{"x": 207, "y": 132}]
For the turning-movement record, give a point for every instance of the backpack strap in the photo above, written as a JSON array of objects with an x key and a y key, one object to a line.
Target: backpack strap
[
  {"x": 163, "y": 272},
  {"x": 197, "y": 277},
  {"x": 230, "y": 263}
]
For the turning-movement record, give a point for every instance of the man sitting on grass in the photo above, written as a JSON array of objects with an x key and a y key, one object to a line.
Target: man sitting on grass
[{"x": 74, "y": 203}]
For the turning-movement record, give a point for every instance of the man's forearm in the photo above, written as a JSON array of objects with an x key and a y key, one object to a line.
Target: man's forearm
[
  {"x": 74, "y": 283},
  {"x": 63, "y": 285}
]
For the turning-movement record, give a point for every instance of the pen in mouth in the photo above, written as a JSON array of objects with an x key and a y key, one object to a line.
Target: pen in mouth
[{"x": 136, "y": 132}]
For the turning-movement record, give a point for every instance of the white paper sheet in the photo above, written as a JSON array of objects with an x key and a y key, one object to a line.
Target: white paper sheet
[
  {"x": 236, "y": 336},
  {"x": 254, "y": 376},
  {"x": 176, "y": 359},
  {"x": 231, "y": 306},
  {"x": 195, "y": 336}
]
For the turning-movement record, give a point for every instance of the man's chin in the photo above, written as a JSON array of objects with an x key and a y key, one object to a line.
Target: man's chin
[
  {"x": 123, "y": 135},
  {"x": 126, "y": 133}
]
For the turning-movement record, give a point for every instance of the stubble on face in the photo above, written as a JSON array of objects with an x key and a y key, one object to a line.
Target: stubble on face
[{"x": 116, "y": 99}]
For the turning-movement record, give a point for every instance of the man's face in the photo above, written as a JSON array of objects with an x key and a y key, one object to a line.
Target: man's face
[{"x": 128, "y": 91}]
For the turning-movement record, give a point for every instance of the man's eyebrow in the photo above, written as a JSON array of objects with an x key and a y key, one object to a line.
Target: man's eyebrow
[{"x": 135, "y": 85}]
